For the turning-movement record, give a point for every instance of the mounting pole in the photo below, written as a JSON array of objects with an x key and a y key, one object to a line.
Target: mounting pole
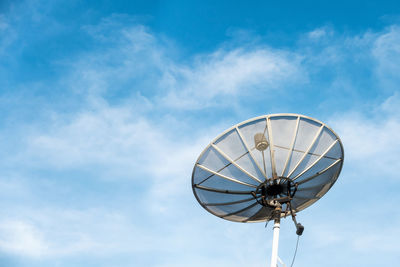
[{"x": 275, "y": 239}]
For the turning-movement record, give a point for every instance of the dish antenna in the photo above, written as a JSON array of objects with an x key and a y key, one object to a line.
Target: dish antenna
[{"x": 266, "y": 168}]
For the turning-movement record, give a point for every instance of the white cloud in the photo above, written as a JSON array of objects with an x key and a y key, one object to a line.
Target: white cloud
[
  {"x": 7, "y": 33},
  {"x": 107, "y": 136},
  {"x": 21, "y": 238},
  {"x": 49, "y": 233},
  {"x": 370, "y": 139},
  {"x": 133, "y": 60},
  {"x": 386, "y": 51},
  {"x": 112, "y": 138},
  {"x": 224, "y": 76},
  {"x": 318, "y": 33}
]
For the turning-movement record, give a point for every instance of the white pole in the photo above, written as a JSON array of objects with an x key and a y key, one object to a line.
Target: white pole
[{"x": 275, "y": 242}]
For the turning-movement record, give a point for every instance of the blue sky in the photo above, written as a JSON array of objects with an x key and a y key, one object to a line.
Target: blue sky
[{"x": 107, "y": 104}]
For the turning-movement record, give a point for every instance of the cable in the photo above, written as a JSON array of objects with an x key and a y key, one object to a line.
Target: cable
[{"x": 295, "y": 252}]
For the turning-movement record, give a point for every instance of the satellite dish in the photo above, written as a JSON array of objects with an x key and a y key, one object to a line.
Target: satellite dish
[{"x": 266, "y": 168}]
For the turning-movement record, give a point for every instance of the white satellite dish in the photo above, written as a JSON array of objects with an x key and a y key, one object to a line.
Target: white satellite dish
[{"x": 266, "y": 168}]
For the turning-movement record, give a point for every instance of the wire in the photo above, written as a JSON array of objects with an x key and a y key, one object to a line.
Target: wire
[{"x": 295, "y": 252}]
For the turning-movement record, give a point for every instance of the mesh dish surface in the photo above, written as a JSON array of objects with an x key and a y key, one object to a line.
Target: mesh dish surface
[{"x": 294, "y": 147}]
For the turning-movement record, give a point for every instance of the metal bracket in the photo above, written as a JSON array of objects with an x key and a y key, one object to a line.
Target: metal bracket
[{"x": 299, "y": 227}]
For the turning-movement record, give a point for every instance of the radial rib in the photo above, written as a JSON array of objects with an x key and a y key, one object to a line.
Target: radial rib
[
  {"x": 235, "y": 164},
  {"x": 224, "y": 176},
  {"x": 308, "y": 150},
  {"x": 233, "y": 192}
]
